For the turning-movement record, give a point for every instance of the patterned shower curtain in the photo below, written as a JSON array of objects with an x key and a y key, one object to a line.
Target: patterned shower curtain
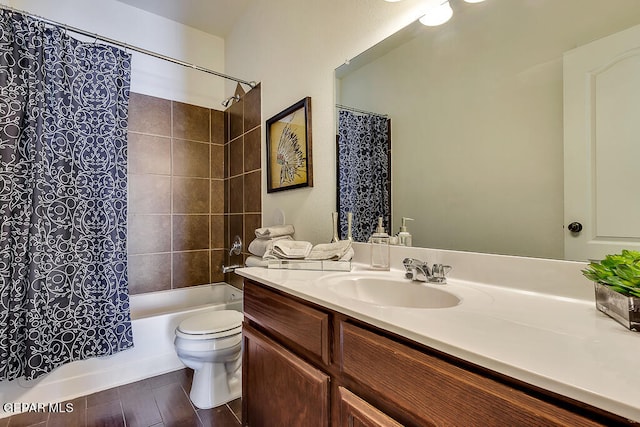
[
  {"x": 364, "y": 178},
  {"x": 63, "y": 198}
]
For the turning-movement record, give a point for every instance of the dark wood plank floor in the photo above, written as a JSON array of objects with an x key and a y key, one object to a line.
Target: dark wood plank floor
[{"x": 161, "y": 401}]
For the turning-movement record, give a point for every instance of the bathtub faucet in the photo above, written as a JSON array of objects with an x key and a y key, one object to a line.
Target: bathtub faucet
[{"x": 230, "y": 268}]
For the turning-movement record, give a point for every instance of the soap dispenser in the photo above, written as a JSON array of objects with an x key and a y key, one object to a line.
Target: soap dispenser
[
  {"x": 380, "y": 252},
  {"x": 404, "y": 237}
]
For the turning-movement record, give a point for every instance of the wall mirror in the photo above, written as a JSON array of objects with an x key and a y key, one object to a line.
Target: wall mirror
[{"x": 476, "y": 112}]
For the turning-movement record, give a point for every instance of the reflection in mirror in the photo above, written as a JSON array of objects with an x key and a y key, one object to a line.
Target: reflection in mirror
[
  {"x": 364, "y": 175},
  {"x": 477, "y": 111}
]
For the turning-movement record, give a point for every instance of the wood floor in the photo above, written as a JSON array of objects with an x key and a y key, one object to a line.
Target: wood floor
[{"x": 161, "y": 401}]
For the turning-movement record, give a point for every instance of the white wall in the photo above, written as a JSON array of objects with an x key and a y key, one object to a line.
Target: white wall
[
  {"x": 293, "y": 47},
  {"x": 136, "y": 27}
]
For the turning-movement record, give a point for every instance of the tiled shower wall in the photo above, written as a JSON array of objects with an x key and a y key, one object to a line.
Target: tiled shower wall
[
  {"x": 243, "y": 171},
  {"x": 178, "y": 167}
]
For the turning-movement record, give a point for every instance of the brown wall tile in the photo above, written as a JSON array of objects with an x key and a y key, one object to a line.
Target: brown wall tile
[
  {"x": 235, "y": 194},
  {"x": 191, "y": 158},
  {"x": 217, "y": 260},
  {"x": 252, "y": 152},
  {"x": 191, "y": 122},
  {"x": 252, "y": 192},
  {"x": 217, "y": 196},
  {"x": 217, "y": 161},
  {"x": 149, "y": 273},
  {"x": 149, "y": 194},
  {"x": 235, "y": 117},
  {"x": 190, "y": 268},
  {"x": 148, "y": 114},
  {"x": 251, "y": 222},
  {"x": 252, "y": 109},
  {"x": 217, "y": 232},
  {"x": 217, "y": 127},
  {"x": 236, "y": 157},
  {"x": 149, "y": 154},
  {"x": 190, "y": 232},
  {"x": 190, "y": 195},
  {"x": 149, "y": 234}
]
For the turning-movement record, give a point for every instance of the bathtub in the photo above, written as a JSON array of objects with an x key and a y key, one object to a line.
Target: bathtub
[{"x": 154, "y": 318}]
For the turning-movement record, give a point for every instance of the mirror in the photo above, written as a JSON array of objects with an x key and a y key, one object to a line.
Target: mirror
[{"x": 476, "y": 111}]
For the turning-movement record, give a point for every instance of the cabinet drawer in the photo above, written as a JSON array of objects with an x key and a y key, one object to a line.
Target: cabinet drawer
[
  {"x": 296, "y": 323},
  {"x": 355, "y": 412},
  {"x": 437, "y": 391}
]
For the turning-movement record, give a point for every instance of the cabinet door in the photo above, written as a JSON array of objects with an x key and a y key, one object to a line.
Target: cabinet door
[
  {"x": 355, "y": 412},
  {"x": 279, "y": 388}
]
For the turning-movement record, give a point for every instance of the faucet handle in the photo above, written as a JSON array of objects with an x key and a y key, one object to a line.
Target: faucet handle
[{"x": 439, "y": 273}]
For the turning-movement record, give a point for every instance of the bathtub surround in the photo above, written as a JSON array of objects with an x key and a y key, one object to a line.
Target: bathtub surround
[
  {"x": 181, "y": 159},
  {"x": 63, "y": 274}
]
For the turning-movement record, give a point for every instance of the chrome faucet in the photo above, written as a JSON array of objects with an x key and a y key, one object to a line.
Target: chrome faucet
[{"x": 420, "y": 271}]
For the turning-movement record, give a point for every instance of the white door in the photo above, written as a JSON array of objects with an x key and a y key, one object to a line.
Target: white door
[{"x": 602, "y": 146}]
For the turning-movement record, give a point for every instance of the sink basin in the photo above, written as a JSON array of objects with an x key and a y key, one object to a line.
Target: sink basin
[{"x": 390, "y": 292}]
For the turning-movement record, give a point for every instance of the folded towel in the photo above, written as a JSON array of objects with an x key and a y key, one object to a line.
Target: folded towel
[
  {"x": 348, "y": 255},
  {"x": 254, "y": 261},
  {"x": 259, "y": 246},
  {"x": 275, "y": 231},
  {"x": 291, "y": 249},
  {"x": 330, "y": 251}
]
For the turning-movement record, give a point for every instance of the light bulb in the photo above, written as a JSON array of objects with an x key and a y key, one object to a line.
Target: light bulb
[{"x": 437, "y": 15}]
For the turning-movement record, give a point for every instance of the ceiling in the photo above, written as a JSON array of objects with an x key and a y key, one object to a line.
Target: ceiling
[{"x": 215, "y": 17}]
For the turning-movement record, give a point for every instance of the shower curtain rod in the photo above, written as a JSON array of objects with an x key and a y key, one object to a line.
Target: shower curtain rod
[
  {"x": 355, "y": 110},
  {"x": 126, "y": 46}
]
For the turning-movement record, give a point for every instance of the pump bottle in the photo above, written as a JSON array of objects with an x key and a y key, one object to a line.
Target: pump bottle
[
  {"x": 404, "y": 237},
  {"x": 380, "y": 252}
]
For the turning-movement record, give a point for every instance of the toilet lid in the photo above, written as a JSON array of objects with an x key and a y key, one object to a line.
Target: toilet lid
[{"x": 213, "y": 322}]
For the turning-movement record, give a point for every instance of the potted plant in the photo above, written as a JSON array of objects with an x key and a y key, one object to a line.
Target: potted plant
[{"x": 617, "y": 287}]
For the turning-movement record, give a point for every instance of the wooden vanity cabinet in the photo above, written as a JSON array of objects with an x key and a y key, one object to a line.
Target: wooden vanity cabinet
[{"x": 305, "y": 365}]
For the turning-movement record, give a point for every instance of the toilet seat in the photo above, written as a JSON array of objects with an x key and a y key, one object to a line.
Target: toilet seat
[{"x": 211, "y": 325}]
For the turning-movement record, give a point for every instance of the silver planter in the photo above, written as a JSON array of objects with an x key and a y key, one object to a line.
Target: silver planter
[{"x": 624, "y": 309}]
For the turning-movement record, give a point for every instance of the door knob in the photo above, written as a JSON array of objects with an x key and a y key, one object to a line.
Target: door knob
[{"x": 575, "y": 227}]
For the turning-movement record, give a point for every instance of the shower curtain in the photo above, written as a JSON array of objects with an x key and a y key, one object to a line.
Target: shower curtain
[
  {"x": 364, "y": 174},
  {"x": 63, "y": 198}
]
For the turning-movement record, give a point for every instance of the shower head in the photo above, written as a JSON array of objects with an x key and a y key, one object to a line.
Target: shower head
[{"x": 230, "y": 100}]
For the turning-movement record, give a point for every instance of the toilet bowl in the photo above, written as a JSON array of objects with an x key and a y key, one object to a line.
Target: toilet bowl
[{"x": 211, "y": 345}]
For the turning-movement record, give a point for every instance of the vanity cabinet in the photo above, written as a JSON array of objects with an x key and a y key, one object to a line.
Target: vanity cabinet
[{"x": 306, "y": 365}]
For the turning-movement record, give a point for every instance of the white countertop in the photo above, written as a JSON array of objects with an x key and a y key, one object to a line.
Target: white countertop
[{"x": 557, "y": 343}]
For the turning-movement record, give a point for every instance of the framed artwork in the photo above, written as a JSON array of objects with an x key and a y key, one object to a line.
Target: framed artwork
[{"x": 289, "y": 161}]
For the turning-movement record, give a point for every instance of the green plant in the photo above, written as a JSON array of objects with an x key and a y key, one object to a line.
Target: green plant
[{"x": 621, "y": 272}]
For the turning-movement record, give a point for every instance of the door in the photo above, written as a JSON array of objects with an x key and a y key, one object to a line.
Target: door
[
  {"x": 279, "y": 388},
  {"x": 602, "y": 146}
]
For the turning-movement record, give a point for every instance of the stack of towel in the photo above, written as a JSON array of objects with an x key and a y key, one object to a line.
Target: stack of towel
[
  {"x": 265, "y": 237},
  {"x": 276, "y": 242}
]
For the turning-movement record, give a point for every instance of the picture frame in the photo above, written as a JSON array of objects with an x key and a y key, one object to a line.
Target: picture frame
[{"x": 289, "y": 159}]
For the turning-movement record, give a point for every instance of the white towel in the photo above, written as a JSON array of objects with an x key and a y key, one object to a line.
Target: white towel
[
  {"x": 348, "y": 255},
  {"x": 254, "y": 261},
  {"x": 291, "y": 249},
  {"x": 259, "y": 246},
  {"x": 331, "y": 251},
  {"x": 275, "y": 231}
]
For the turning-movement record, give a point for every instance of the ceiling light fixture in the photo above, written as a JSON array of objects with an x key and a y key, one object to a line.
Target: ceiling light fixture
[
  {"x": 471, "y": 1},
  {"x": 437, "y": 15}
]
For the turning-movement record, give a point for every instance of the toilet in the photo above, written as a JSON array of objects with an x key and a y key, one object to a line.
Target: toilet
[{"x": 211, "y": 344}]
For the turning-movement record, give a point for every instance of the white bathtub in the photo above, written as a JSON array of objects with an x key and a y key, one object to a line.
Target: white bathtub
[{"x": 154, "y": 318}]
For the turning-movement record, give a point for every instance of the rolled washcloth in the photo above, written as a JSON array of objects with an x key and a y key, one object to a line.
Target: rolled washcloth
[
  {"x": 332, "y": 251},
  {"x": 287, "y": 249},
  {"x": 258, "y": 247},
  {"x": 254, "y": 261},
  {"x": 275, "y": 231}
]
